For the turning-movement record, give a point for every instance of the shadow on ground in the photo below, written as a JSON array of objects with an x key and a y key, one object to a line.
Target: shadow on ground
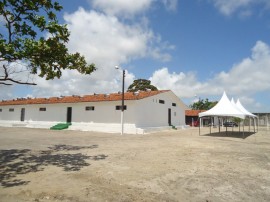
[
  {"x": 234, "y": 134},
  {"x": 16, "y": 162}
]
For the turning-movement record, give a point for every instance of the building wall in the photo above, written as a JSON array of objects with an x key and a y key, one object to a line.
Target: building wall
[
  {"x": 151, "y": 113},
  {"x": 5, "y": 114},
  {"x": 263, "y": 119},
  {"x": 147, "y": 112},
  {"x": 104, "y": 112}
]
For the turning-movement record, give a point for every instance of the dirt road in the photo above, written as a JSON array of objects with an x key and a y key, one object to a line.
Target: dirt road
[{"x": 179, "y": 165}]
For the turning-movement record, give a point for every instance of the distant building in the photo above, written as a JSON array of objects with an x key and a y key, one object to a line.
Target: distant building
[
  {"x": 263, "y": 119},
  {"x": 144, "y": 111},
  {"x": 192, "y": 117}
]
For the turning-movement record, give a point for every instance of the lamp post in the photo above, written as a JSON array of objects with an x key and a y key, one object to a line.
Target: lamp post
[{"x": 123, "y": 100}]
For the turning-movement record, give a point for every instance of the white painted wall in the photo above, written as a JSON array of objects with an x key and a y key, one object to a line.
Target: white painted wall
[
  {"x": 150, "y": 113},
  {"x": 104, "y": 112},
  {"x": 144, "y": 113},
  {"x": 5, "y": 114}
]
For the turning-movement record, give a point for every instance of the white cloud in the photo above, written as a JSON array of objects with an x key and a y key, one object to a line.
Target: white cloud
[
  {"x": 129, "y": 8},
  {"x": 229, "y": 7},
  {"x": 6, "y": 92},
  {"x": 17, "y": 71},
  {"x": 73, "y": 83},
  {"x": 183, "y": 84},
  {"x": 250, "y": 75},
  {"x": 105, "y": 39},
  {"x": 247, "y": 78},
  {"x": 170, "y": 5},
  {"x": 125, "y": 8},
  {"x": 107, "y": 42}
]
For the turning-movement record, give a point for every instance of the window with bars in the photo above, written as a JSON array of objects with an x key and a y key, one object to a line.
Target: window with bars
[
  {"x": 161, "y": 101},
  {"x": 119, "y": 107},
  {"x": 89, "y": 108}
]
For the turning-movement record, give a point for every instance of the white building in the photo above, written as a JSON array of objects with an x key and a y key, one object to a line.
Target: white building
[{"x": 145, "y": 111}]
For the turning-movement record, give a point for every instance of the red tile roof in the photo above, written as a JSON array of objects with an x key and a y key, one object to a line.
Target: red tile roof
[
  {"x": 193, "y": 112},
  {"x": 85, "y": 98}
]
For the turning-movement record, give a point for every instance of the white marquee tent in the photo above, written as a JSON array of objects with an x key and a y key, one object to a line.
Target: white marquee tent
[
  {"x": 224, "y": 108},
  {"x": 227, "y": 108}
]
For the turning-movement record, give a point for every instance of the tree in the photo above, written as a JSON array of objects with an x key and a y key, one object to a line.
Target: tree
[
  {"x": 237, "y": 120},
  {"x": 141, "y": 84},
  {"x": 203, "y": 104},
  {"x": 22, "y": 41}
]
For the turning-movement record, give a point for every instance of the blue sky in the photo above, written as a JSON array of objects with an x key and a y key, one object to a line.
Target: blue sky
[{"x": 196, "y": 48}]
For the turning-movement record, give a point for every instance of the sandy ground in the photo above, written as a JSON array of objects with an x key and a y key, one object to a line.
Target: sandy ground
[{"x": 179, "y": 165}]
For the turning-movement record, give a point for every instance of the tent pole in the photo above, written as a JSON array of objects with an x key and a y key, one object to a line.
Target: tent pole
[
  {"x": 243, "y": 130},
  {"x": 254, "y": 124},
  {"x": 199, "y": 126},
  {"x": 210, "y": 124},
  {"x": 219, "y": 124},
  {"x": 267, "y": 124},
  {"x": 222, "y": 122},
  {"x": 226, "y": 127},
  {"x": 249, "y": 125},
  {"x": 239, "y": 127},
  {"x": 257, "y": 124},
  {"x": 257, "y": 121}
]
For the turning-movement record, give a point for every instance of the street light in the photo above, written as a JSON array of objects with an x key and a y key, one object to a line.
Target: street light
[{"x": 123, "y": 99}]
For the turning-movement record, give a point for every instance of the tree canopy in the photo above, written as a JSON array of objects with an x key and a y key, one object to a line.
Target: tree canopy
[
  {"x": 203, "y": 104},
  {"x": 31, "y": 35},
  {"x": 142, "y": 85}
]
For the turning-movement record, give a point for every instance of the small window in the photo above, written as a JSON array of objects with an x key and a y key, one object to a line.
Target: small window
[
  {"x": 174, "y": 113},
  {"x": 174, "y": 104},
  {"x": 89, "y": 108},
  {"x": 161, "y": 101},
  {"x": 0, "y": 110},
  {"x": 11, "y": 109},
  {"x": 42, "y": 109},
  {"x": 119, "y": 107}
]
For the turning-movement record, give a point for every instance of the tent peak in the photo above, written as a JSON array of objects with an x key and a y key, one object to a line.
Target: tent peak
[
  {"x": 240, "y": 106},
  {"x": 224, "y": 108},
  {"x": 233, "y": 102}
]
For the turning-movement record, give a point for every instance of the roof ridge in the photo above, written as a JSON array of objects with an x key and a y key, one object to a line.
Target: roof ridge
[{"x": 83, "y": 98}]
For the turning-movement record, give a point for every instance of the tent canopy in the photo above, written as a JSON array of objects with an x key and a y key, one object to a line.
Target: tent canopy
[
  {"x": 243, "y": 109},
  {"x": 227, "y": 108},
  {"x": 224, "y": 108}
]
